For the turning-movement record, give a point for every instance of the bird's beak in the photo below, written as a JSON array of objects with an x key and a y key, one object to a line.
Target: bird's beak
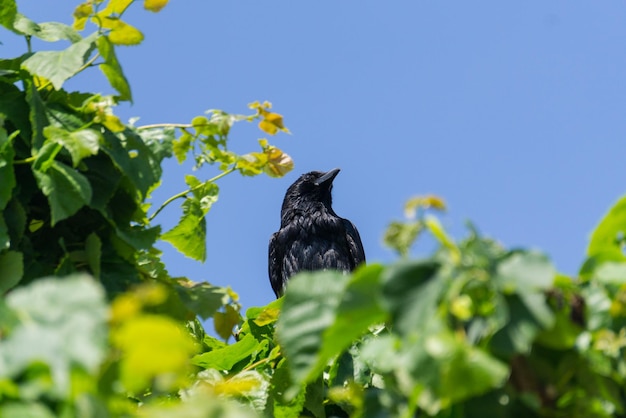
[{"x": 328, "y": 177}]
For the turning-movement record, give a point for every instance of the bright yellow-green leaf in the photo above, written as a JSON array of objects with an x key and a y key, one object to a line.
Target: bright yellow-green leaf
[
  {"x": 181, "y": 146},
  {"x": 154, "y": 349},
  {"x": 423, "y": 202},
  {"x": 278, "y": 163},
  {"x": 81, "y": 13},
  {"x": 121, "y": 32},
  {"x": 154, "y": 5},
  {"x": 272, "y": 123},
  {"x": 437, "y": 230},
  {"x": 268, "y": 316},
  {"x": 113, "y": 123},
  {"x": 115, "y": 7},
  {"x": 461, "y": 307}
]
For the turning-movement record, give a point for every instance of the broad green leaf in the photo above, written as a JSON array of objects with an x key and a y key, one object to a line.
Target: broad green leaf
[
  {"x": 55, "y": 31},
  {"x": 64, "y": 329},
  {"x": 281, "y": 407},
  {"x": 66, "y": 189},
  {"x": 13, "y": 101},
  {"x": 154, "y": 5},
  {"x": 225, "y": 358},
  {"x": 133, "y": 158},
  {"x": 525, "y": 272},
  {"x": 6, "y": 168},
  {"x": 26, "y": 410},
  {"x": 608, "y": 237},
  {"x": 189, "y": 235},
  {"x": 202, "y": 299},
  {"x": 25, "y": 26},
  {"x": 401, "y": 235},
  {"x": 154, "y": 348},
  {"x": 11, "y": 269},
  {"x": 528, "y": 314},
  {"x": 470, "y": 372},
  {"x": 411, "y": 291},
  {"x": 8, "y": 10},
  {"x": 112, "y": 69},
  {"x": 58, "y": 66},
  {"x": 80, "y": 144},
  {"x": 360, "y": 307},
  {"x": 309, "y": 308}
]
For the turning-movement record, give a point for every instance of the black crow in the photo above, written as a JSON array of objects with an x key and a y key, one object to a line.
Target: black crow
[{"x": 311, "y": 235}]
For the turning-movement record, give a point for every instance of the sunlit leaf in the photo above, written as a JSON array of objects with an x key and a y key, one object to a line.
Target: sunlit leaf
[
  {"x": 81, "y": 13},
  {"x": 80, "y": 144},
  {"x": 309, "y": 308},
  {"x": 422, "y": 202},
  {"x": 8, "y": 11},
  {"x": 113, "y": 70},
  {"x": 155, "y": 348},
  {"x": 55, "y": 31},
  {"x": 121, "y": 33},
  {"x": 58, "y": 66},
  {"x": 66, "y": 328},
  {"x": 154, "y": 5},
  {"x": 225, "y": 358},
  {"x": 610, "y": 234},
  {"x": 278, "y": 163}
]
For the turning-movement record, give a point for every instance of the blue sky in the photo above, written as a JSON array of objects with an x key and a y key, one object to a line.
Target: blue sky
[{"x": 515, "y": 115}]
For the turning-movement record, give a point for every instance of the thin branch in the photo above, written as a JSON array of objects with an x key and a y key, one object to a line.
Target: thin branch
[{"x": 186, "y": 192}]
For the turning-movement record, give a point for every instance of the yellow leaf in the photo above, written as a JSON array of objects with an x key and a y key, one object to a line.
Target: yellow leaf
[
  {"x": 272, "y": 123},
  {"x": 154, "y": 5},
  {"x": 115, "y": 7},
  {"x": 461, "y": 307},
  {"x": 424, "y": 202},
  {"x": 113, "y": 123},
  {"x": 278, "y": 163},
  {"x": 121, "y": 32},
  {"x": 224, "y": 322},
  {"x": 268, "y": 316},
  {"x": 239, "y": 384},
  {"x": 81, "y": 13},
  {"x": 124, "y": 307},
  {"x": 155, "y": 349}
]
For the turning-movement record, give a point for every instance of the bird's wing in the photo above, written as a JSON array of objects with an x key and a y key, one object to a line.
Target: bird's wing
[
  {"x": 357, "y": 253},
  {"x": 274, "y": 265}
]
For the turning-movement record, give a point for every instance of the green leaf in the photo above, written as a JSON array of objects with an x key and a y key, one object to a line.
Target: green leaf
[
  {"x": 360, "y": 307},
  {"x": 66, "y": 328},
  {"x": 11, "y": 270},
  {"x": 133, "y": 158},
  {"x": 56, "y": 31},
  {"x": 59, "y": 66},
  {"x": 8, "y": 11},
  {"x": 609, "y": 235},
  {"x": 528, "y": 314},
  {"x": 93, "y": 251},
  {"x": 66, "y": 189},
  {"x": 225, "y": 358},
  {"x": 202, "y": 299},
  {"x": 224, "y": 322},
  {"x": 411, "y": 291},
  {"x": 112, "y": 68},
  {"x": 6, "y": 169},
  {"x": 181, "y": 146},
  {"x": 280, "y": 384},
  {"x": 309, "y": 308},
  {"x": 37, "y": 115},
  {"x": 189, "y": 235},
  {"x": 525, "y": 272},
  {"x": 26, "y": 410},
  {"x": 80, "y": 144},
  {"x": 5, "y": 239}
]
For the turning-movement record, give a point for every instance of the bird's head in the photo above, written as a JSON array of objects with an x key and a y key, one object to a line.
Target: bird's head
[{"x": 310, "y": 189}]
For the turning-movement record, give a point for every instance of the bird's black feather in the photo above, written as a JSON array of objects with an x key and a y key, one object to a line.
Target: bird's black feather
[{"x": 311, "y": 235}]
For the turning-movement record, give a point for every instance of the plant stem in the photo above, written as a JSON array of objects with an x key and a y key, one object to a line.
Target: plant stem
[
  {"x": 166, "y": 125},
  {"x": 186, "y": 192}
]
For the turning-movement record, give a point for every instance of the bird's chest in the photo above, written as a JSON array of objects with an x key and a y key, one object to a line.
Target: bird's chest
[{"x": 314, "y": 243}]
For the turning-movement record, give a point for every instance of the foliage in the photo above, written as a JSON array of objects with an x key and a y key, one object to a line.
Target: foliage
[{"x": 92, "y": 325}]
